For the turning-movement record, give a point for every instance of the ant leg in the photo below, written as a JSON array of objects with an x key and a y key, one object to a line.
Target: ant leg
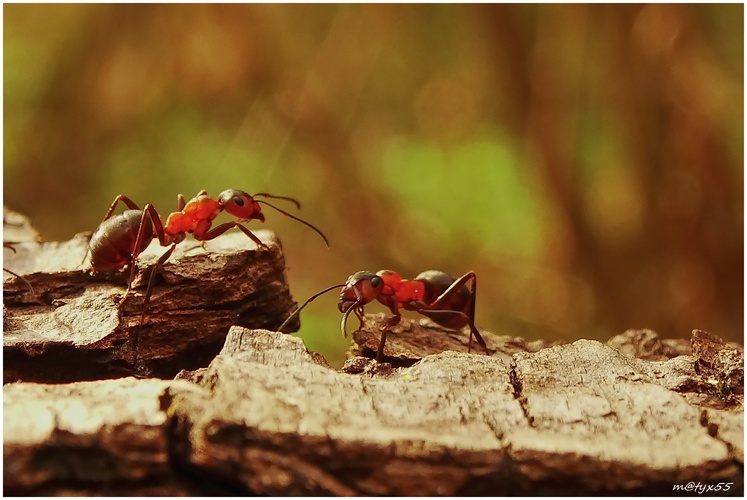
[
  {"x": 434, "y": 307},
  {"x": 163, "y": 238},
  {"x": 217, "y": 231},
  {"x": 9, "y": 246},
  {"x": 25, "y": 281},
  {"x": 471, "y": 310},
  {"x": 384, "y": 331},
  {"x": 148, "y": 212},
  {"x": 380, "y": 352},
  {"x": 85, "y": 255},
  {"x": 158, "y": 266},
  {"x": 88, "y": 250},
  {"x": 454, "y": 320},
  {"x": 135, "y": 252},
  {"x": 359, "y": 313},
  {"x": 454, "y": 288},
  {"x": 124, "y": 199}
]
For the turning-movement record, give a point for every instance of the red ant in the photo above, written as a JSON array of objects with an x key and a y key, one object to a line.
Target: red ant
[
  {"x": 120, "y": 239},
  {"x": 433, "y": 294}
]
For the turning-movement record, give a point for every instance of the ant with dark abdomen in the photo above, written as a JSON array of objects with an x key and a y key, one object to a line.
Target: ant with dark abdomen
[
  {"x": 120, "y": 239},
  {"x": 434, "y": 294}
]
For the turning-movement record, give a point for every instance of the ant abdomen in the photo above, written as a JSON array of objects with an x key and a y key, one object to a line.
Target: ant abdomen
[
  {"x": 437, "y": 282},
  {"x": 113, "y": 243}
]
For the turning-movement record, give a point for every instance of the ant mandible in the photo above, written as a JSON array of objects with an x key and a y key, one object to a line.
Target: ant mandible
[
  {"x": 120, "y": 239},
  {"x": 434, "y": 294}
]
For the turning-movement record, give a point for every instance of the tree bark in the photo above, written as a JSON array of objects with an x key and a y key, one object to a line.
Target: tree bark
[
  {"x": 269, "y": 417},
  {"x": 73, "y": 326},
  {"x": 637, "y": 415}
]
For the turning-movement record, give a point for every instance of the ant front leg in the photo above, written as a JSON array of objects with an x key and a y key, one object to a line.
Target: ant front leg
[
  {"x": 217, "y": 231},
  {"x": 359, "y": 314},
  {"x": 394, "y": 320}
]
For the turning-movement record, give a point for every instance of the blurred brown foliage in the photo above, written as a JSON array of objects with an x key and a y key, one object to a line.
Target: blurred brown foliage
[{"x": 585, "y": 160}]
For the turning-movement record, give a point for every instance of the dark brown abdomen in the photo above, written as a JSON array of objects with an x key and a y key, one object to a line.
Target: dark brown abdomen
[
  {"x": 113, "y": 242},
  {"x": 436, "y": 283}
]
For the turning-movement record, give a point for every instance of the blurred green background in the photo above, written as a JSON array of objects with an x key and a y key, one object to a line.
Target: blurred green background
[{"x": 585, "y": 160}]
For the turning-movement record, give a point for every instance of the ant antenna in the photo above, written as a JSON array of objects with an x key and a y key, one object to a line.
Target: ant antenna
[
  {"x": 295, "y": 218},
  {"x": 298, "y": 310},
  {"x": 24, "y": 280},
  {"x": 9, "y": 246},
  {"x": 286, "y": 198}
]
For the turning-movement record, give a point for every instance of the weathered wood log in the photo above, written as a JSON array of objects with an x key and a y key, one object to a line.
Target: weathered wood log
[
  {"x": 73, "y": 326},
  {"x": 87, "y": 438},
  {"x": 268, "y": 417},
  {"x": 639, "y": 415}
]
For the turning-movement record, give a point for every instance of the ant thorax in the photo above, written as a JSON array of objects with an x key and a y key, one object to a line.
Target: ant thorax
[
  {"x": 409, "y": 291},
  {"x": 196, "y": 217}
]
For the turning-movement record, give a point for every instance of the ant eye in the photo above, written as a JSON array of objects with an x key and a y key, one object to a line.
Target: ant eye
[
  {"x": 376, "y": 281},
  {"x": 238, "y": 200}
]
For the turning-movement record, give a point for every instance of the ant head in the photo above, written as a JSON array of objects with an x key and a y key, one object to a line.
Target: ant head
[
  {"x": 245, "y": 207},
  {"x": 391, "y": 279},
  {"x": 361, "y": 288},
  {"x": 241, "y": 205}
]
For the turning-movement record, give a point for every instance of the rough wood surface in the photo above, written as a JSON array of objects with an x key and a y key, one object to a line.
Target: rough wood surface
[
  {"x": 411, "y": 340},
  {"x": 101, "y": 437},
  {"x": 637, "y": 415},
  {"x": 72, "y": 327},
  {"x": 268, "y": 417}
]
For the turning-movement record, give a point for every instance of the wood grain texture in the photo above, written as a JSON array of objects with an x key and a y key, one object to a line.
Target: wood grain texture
[
  {"x": 579, "y": 417},
  {"x": 269, "y": 417},
  {"x": 101, "y": 437},
  {"x": 73, "y": 328},
  {"x": 263, "y": 415}
]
